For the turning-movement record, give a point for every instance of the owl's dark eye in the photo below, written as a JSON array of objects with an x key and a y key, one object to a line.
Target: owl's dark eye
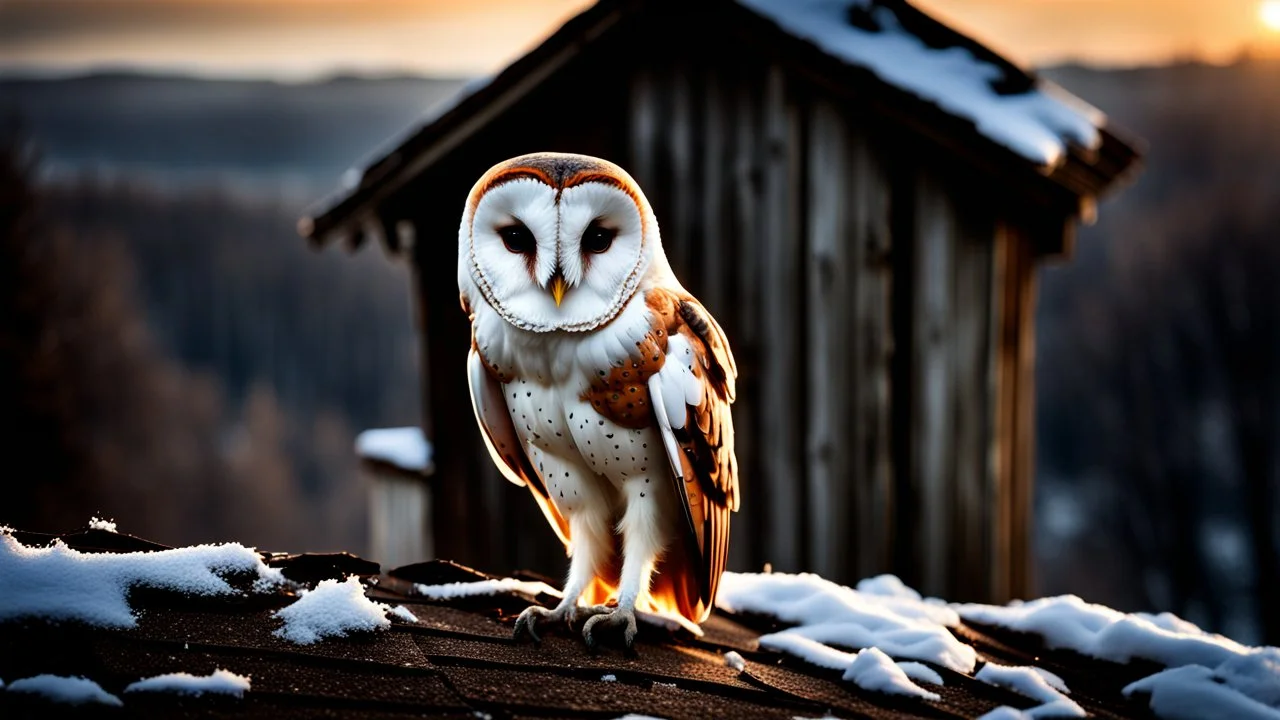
[
  {"x": 597, "y": 238},
  {"x": 518, "y": 239}
]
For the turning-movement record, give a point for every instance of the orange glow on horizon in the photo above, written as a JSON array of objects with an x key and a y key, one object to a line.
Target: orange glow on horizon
[{"x": 310, "y": 38}]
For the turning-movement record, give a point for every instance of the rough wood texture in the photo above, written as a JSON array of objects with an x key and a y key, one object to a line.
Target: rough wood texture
[
  {"x": 781, "y": 418},
  {"x": 933, "y": 448},
  {"x": 1015, "y": 413},
  {"x": 829, "y": 384},
  {"x": 872, "y": 465}
]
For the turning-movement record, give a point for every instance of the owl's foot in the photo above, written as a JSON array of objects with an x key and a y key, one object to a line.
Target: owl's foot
[
  {"x": 534, "y": 614},
  {"x": 608, "y": 618}
]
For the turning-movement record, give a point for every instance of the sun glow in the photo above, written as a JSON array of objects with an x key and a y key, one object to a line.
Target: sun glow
[{"x": 1269, "y": 14}]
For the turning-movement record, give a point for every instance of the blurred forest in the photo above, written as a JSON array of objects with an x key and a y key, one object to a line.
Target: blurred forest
[
  {"x": 181, "y": 361},
  {"x": 1159, "y": 360}
]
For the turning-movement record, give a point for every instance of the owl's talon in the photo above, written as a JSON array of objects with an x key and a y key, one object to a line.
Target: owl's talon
[
  {"x": 611, "y": 618},
  {"x": 584, "y": 614},
  {"x": 528, "y": 621}
]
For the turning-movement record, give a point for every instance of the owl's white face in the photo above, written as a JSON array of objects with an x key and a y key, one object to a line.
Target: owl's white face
[{"x": 555, "y": 244}]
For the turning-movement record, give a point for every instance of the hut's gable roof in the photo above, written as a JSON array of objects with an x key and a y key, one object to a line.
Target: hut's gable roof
[
  {"x": 941, "y": 80},
  {"x": 442, "y": 647}
]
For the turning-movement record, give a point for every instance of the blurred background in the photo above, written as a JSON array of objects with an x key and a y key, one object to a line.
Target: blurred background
[{"x": 172, "y": 355}]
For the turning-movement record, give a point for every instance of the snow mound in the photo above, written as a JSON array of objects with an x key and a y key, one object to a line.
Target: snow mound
[
  {"x": 221, "y": 682},
  {"x": 68, "y": 690},
  {"x": 452, "y": 591},
  {"x": 873, "y": 670},
  {"x": 403, "y": 613},
  {"x": 921, "y": 672},
  {"x": 824, "y": 614},
  {"x": 1037, "y": 125},
  {"x": 1246, "y": 687},
  {"x": 1035, "y": 683},
  {"x": 96, "y": 523},
  {"x": 733, "y": 660},
  {"x": 405, "y": 447},
  {"x": 59, "y": 583},
  {"x": 1208, "y": 674},
  {"x": 1098, "y": 631},
  {"x": 333, "y": 609}
]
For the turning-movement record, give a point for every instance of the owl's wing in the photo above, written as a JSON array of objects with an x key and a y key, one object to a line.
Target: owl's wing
[
  {"x": 504, "y": 445},
  {"x": 690, "y": 396}
]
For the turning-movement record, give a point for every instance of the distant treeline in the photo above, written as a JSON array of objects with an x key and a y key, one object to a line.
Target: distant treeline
[
  {"x": 185, "y": 364},
  {"x": 1159, "y": 359}
]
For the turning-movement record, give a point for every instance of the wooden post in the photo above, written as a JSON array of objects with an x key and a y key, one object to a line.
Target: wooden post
[{"x": 399, "y": 515}]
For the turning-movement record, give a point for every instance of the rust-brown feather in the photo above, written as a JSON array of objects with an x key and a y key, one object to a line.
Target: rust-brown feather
[{"x": 688, "y": 574}]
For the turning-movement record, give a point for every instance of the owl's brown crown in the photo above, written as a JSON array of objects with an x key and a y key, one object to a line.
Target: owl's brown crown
[{"x": 558, "y": 170}]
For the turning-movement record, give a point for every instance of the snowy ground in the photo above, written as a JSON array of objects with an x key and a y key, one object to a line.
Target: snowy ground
[
  {"x": 881, "y": 635},
  {"x": 1208, "y": 675}
]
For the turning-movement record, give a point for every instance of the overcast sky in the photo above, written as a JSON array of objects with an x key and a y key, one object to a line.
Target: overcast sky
[{"x": 306, "y": 38}]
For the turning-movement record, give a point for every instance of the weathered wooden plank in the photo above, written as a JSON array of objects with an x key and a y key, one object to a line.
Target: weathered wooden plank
[
  {"x": 1014, "y": 281},
  {"x": 932, "y": 423},
  {"x": 971, "y": 332},
  {"x": 747, "y": 548},
  {"x": 643, "y": 128},
  {"x": 681, "y": 193},
  {"x": 829, "y": 383},
  {"x": 872, "y": 333},
  {"x": 781, "y": 311},
  {"x": 716, "y": 254}
]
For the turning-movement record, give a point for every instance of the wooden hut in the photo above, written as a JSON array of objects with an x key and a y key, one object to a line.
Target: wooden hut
[{"x": 870, "y": 185}]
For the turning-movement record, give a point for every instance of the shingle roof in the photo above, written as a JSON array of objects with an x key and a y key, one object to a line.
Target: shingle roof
[{"x": 458, "y": 660}]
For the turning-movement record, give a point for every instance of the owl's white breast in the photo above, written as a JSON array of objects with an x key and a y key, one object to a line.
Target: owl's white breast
[
  {"x": 550, "y": 372},
  {"x": 568, "y": 360}
]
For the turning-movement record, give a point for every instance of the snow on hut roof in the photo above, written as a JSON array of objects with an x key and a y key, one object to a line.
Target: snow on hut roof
[
  {"x": 405, "y": 447},
  {"x": 1038, "y": 123}
]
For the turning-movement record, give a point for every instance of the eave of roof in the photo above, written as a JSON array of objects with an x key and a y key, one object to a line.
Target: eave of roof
[{"x": 1085, "y": 173}]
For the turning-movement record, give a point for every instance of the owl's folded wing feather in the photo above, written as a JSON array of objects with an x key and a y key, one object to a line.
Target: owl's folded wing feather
[
  {"x": 691, "y": 395},
  {"x": 504, "y": 445}
]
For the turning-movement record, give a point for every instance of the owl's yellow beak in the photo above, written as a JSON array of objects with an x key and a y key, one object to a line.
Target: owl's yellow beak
[{"x": 558, "y": 287}]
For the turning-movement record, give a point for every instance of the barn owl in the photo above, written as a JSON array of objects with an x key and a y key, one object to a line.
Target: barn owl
[{"x": 602, "y": 386}]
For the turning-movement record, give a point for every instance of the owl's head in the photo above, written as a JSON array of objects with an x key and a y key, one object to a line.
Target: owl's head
[{"x": 557, "y": 242}]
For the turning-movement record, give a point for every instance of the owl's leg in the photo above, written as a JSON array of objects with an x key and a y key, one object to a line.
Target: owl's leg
[
  {"x": 590, "y": 546},
  {"x": 644, "y": 536}
]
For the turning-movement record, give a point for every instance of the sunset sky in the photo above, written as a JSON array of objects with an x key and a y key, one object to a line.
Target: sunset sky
[{"x": 294, "y": 39}]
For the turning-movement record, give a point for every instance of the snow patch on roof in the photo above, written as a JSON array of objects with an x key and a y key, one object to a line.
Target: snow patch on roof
[
  {"x": 921, "y": 672},
  {"x": 221, "y": 682},
  {"x": 1098, "y": 631},
  {"x": 1035, "y": 683},
  {"x": 403, "y": 613},
  {"x": 1246, "y": 687},
  {"x": 405, "y": 447},
  {"x": 734, "y": 660},
  {"x": 96, "y": 523},
  {"x": 333, "y": 609},
  {"x": 451, "y": 591},
  {"x": 872, "y": 670},
  {"x": 1207, "y": 670},
  {"x": 58, "y": 583},
  {"x": 824, "y": 613},
  {"x": 1037, "y": 125},
  {"x": 68, "y": 690}
]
